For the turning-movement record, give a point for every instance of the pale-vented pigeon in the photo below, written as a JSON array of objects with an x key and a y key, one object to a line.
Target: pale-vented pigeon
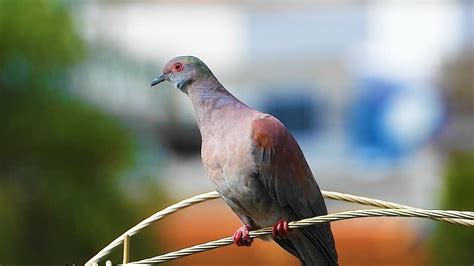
[{"x": 255, "y": 163}]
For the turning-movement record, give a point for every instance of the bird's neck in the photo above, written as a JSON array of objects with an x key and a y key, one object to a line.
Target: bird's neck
[{"x": 211, "y": 102}]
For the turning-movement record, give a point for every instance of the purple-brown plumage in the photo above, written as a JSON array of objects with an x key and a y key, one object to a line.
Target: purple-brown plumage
[{"x": 255, "y": 163}]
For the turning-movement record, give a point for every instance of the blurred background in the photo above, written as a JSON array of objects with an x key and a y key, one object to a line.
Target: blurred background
[{"x": 380, "y": 96}]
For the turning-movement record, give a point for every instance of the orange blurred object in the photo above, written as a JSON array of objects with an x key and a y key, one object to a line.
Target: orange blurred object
[
  {"x": 371, "y": 241},
  {"x": 378, "y": 241}
]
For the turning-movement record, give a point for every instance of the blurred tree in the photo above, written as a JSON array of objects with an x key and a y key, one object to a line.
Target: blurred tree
[
  {"x": 59, "y": 158},
  {"x": 453, "y": 245}
]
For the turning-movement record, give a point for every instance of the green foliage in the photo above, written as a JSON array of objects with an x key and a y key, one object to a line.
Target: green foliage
[
  {"x": 37, "y": 39},
  {"x": 60, "y": 159},
  {"x": 453, "y": 244}
]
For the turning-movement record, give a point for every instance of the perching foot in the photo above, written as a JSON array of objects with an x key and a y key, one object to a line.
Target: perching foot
[
  {"x": 241, "y": 236},
  {"x": 280, "y": 229}
]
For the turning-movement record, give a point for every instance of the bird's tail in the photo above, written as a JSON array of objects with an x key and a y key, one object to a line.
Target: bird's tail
[{"x": 307, "y": 247}]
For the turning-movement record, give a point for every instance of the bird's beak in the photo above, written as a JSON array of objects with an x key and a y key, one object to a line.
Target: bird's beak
[{"x": 158, "y": 79}]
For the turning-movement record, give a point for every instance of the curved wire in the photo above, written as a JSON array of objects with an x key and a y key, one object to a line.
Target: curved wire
[
  {"x": 213, "y": 195},
  {"x": 155, "y": 217},
  {"x": 433, "y": 214}
]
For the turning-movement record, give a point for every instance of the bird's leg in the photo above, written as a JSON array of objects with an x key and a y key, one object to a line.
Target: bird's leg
[
  {"x": 281, "y": 229},
  {"x": 241, "y": 236}
]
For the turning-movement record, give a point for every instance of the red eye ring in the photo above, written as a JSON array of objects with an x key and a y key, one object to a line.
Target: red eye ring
[{"x": 178, "y": 67}]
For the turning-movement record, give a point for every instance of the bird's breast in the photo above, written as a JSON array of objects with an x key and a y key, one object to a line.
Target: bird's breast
[
  {"x": 231, "y": 167},
  {"x": 228, "y": 156}
]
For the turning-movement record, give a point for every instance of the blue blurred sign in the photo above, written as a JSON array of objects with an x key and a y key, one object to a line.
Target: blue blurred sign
[{"x": 388, "y": 119}]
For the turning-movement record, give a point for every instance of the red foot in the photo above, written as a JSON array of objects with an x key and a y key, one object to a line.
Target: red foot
[
  {"x": 280, "y": 229},
  {"x": 241, "y": 236}
]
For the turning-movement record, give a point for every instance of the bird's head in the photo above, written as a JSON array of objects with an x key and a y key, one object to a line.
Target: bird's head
[{"x": 181, "y": 71}]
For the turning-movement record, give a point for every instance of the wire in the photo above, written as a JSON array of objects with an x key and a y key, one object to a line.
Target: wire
[
  {"x": 155, "y": 217},
  {"x": 213, "y": 195},
  {"x": 312, "y": 221}
]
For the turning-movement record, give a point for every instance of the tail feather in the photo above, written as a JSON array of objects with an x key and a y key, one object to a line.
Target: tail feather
[
  {"x": 302, "y": 245},
  {"x": 286, "y": 245}
]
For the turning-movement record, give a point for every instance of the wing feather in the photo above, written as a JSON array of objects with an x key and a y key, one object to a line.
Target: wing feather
[{"x": 284, "y": 172}]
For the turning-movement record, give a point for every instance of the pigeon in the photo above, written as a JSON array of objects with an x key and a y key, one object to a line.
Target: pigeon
[{"x": 256, "y": 165}]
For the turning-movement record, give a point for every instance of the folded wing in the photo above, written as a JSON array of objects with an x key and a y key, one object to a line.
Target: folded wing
[{"x": 284, "y": 172}]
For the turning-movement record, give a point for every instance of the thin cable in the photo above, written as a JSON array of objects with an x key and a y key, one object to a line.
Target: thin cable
[
  {"x": 433, "y": 214},
  {"x": 386, "y": 205},
  {"x": 155, "y": 217},
  {"x": 213, "y": 195}
]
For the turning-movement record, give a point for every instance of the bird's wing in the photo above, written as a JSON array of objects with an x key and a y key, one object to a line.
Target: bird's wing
[{"x": 284, "y": 172}]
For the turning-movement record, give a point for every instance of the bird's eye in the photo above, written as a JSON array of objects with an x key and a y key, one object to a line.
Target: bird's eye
[{"x": 178, "y": 67}]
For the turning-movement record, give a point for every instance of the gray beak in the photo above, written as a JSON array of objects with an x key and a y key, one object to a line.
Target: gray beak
[{"x": 158, "y": 79}]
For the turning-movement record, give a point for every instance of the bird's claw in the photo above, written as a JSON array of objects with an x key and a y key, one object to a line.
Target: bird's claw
[
  {"x": 241, "y": 236},
  {"x": 280, "y": 229}
]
